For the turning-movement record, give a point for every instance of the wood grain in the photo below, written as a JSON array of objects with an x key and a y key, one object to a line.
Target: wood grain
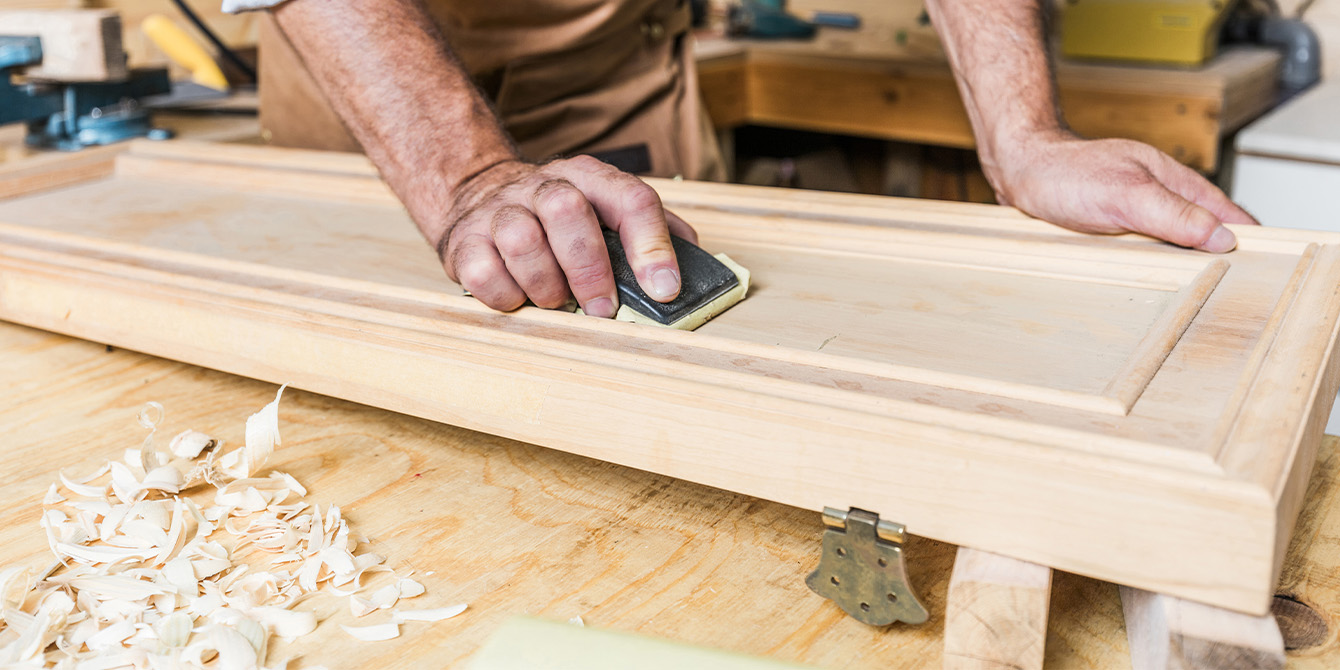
[
  {"x": 1171, "y": 634},
  {"x": 996, "y": 616},
  {"x": 509, "y": 528},
  {"x": 517, "y": 529},
  {"x": 77, "y": 44},
  {"x": 951, "y": 346}
]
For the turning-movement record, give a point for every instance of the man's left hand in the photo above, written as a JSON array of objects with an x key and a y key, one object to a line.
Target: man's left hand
[{"x": 1114, "y": 186}]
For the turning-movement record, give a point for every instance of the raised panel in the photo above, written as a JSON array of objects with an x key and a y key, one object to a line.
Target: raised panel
[{"x": 1106, "y": 405}]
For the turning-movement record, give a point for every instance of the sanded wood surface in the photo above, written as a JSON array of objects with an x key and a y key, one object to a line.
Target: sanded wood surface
[
  {"x": 77, "y": 44},
  {"x": 904, "y": 96},
  {"x": 1112, "y": 406},
  {"x": 516, "y": 529},
  {"x": 996, "y": 614},
  {"x": 1168, "y": 633}
]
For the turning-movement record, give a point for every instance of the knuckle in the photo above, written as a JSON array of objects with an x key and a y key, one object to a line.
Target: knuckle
[
  {"x": 652, "y": 248},
  {"x": 640, "y": 196},
  {"x": 546, "y": 292},
  {"x": 560, "y": 199},
  {"x": 586, "y": 275},
  {"x": 474, "y": 276},
  {"x": 1139, "y": 182},
  {"x": 516, "y": 233},
  {"x": 507, "y": 301},
  {"x": 1198, "y": 224},
  {"x": 473, "y": 271},
  {"x": 585, "y": 162}
]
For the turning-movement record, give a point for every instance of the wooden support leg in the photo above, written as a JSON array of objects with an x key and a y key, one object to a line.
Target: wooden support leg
[
  {"x": 996, "y": 616},
  {"x": 1168, "y": 633}
]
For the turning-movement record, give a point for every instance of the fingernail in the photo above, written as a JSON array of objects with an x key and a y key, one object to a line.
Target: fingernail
[
  {"x": 1223, "y": 240},
  {"x": 664, "y": 284},
  {"x": 601, "y": 307}
]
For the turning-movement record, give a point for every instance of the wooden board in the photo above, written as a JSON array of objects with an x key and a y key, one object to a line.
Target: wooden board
[
  {"x": 898, "y": 96},
  {"x": 1168, "y": 633},
  {"x": 1110, "y": 406},
  {"x": 996, "y": 614},
  {"x": 515, "y": 529},
  {"x": 77, "y": 44}
]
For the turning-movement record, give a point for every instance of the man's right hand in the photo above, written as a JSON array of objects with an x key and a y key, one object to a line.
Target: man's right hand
[
  {"x": 505, "y": 229},
  {"x": 519, "y": 231}
]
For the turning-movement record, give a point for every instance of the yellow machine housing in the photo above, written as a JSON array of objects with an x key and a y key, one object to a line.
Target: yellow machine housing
[{"x": 1179, "y": 32}]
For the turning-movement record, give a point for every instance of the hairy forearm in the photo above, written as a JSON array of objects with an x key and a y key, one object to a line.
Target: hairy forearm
[
  {"x": 998, "y": 51},
  {"x": 390, "y": 75}
]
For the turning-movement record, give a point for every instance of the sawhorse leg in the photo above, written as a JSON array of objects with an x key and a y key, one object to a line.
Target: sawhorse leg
[
  {"x": 1167, "y": 633},
  {"x": 996, "y": 616}
]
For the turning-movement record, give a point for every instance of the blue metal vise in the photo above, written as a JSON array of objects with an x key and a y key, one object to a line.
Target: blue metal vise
[{"x": 71, "y": 116}]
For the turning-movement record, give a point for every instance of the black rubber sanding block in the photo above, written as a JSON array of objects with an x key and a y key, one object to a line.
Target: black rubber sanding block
[{"x": 709, "y": 285}]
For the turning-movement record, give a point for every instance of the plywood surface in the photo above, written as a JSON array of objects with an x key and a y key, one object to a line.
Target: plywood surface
[{"x": 1110, "y": 406}]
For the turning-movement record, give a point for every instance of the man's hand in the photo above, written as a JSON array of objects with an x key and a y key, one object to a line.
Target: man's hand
[
  {"x": 518, "y": 231},
  {"x": 1113, "y": 186},
  {"x": 505, "y": 229},
  {"x": 998, "y": 51}
]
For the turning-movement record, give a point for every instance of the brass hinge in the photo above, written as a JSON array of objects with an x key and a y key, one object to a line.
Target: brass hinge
[{"x": 862, "y": 569}]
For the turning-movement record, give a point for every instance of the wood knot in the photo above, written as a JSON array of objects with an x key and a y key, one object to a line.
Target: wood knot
[{"x": 1301, "y": 626}]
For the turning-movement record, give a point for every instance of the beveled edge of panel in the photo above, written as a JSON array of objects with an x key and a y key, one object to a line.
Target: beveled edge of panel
[
  {"x": 1132, "y": 379},
  {"x": 1291, "y": 375}
]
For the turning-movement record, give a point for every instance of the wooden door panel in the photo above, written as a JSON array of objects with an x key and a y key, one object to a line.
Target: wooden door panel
[{"x": 1106, "y": 405}]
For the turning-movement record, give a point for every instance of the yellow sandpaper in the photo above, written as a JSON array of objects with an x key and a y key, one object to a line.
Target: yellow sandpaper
[{"x": 524, "y": 643}]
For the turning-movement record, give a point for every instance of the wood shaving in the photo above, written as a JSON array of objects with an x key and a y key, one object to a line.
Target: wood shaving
[
  {"x": 410, "y": 588},
  {"x": 430, "y": 615},
  {"x": 146, "y": 578},
  {"x": 373, "y": 633}
]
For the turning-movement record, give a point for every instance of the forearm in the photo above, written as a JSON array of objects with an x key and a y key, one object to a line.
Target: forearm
[
  {"x": 390, "y": 75},
  {"x": 998, "y": 51}
]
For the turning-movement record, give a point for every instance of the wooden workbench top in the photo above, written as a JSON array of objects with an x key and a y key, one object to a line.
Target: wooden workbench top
[
  {"x": 907, "y": 93},
  {"x": 516, "y": 529}
]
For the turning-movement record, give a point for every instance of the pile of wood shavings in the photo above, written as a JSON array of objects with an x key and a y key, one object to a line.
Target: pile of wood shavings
[{"x": 146, "y": 578}]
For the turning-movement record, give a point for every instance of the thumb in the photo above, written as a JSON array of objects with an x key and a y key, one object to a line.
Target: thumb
[{"x": 1168, "y": 216}]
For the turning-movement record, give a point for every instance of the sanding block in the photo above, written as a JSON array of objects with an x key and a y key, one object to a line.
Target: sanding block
[{"x": 709, "y": 285}]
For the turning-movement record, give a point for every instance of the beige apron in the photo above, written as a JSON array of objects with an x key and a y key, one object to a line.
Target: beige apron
[{"x": 612, "y": 79}]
